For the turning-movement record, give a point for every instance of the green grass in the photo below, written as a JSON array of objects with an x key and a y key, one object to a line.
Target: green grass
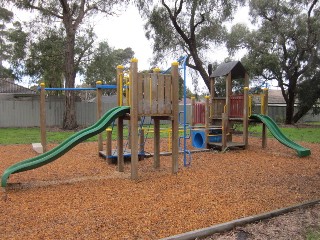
[
  {"x": 32, "y": 135},
  {"x": 313, "y": 123},
  {"x": 313, "y": 235},
  {"x": 303, "y": 134}
]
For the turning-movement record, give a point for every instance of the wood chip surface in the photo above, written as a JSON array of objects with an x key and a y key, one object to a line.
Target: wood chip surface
[{"x": 80, "y": 196}]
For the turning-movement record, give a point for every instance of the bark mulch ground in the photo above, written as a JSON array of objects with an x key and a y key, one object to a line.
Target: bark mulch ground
[{"x": 80, "y": 196}]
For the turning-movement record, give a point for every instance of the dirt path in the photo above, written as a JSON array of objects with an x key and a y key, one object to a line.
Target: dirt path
[{"x": 299, "y": 224}]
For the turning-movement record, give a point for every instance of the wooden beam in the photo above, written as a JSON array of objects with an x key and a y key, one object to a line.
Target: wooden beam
[
  {"x": 109, "y": 144},
  {"x": 134, "y": 117},
  {"x": 120, "y": 161},
  {"x": 245, "y": 116},
  {"x": 141, "y": 143},
  {"x": 265, "y": 112},
  {"x": 120, "y": 85},
  {"x": 207, "y": 120},
  {"x": 175, "y": 116},
  {"x": 43, "y": 118},
  {"x": 99, "y": 113},
  {"x": 156, "y": 156}
]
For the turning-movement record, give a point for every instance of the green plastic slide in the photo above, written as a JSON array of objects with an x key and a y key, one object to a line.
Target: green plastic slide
[
  {"x": 66, "y": 145},
  {"x": 276, "y": 132}
]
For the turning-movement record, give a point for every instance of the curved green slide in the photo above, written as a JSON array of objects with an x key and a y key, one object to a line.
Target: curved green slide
[
  {"x": 276, "y": 132},
  {"x": 66, "y": 145}
]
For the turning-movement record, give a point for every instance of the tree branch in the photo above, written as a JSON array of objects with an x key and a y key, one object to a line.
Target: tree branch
[
  {"x": 78, "y": 20},
  {"x": 77, "y": 62},
  {"x": 177, "y": 11},
  {"x": 175, "y": 23},
  {"x": 64, "y": 5},
  {"x": 201, "y": 21},
  {"x": 41, "y": 9}
]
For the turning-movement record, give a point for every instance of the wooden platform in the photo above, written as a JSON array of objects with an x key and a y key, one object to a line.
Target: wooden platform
[
  {"x": 231, "y": 145},
  {"x": 127, "y": 154}
]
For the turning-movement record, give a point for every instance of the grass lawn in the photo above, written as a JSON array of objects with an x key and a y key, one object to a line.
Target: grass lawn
[
  {"x": 55, "y": 135},
  {"x": 303, "y": 134}
]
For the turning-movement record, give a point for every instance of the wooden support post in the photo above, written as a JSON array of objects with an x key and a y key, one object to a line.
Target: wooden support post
[
  {"x": 156, "y": 156},
  {"x": 141, "y": 144},
  {"x": 206, "y": 121},
  {"x": 227, "y": 110},
  {"x": 120, "y": 85},
  {"x": 99, "y": 113},
  {"x": 265, "y": 112},
  {"x": 224, "y": 122},
  {"x": 134, "y": 117},
  {"x": 212, "y": 91},
  {"x": 245, "y": 116},
  {"x": 120, "y": 161},
  {"x": 108, "y": 144},
  {"x": 193, "y": 102},
  {"x": 43, "y": 118},
  {"x": 175, "y": 116}
]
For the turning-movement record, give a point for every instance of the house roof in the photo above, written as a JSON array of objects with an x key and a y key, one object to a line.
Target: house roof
[
  {"x": 8, "y": 86},
  {"x": 275, "y": 96},
  {"x": 235, "y": 67}
]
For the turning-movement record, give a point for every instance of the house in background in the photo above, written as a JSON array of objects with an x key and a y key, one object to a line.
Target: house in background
[
  {"x": 277, "y": 107},
  {"x": 11, "y": 91}
]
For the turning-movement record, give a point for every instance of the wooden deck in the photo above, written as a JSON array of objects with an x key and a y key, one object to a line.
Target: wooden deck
[
  {"x": 231, "y": 145},
  {"x": 127, "y": 154}
]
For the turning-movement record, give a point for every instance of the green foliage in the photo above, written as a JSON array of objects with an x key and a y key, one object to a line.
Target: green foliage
[
  {"x": 72, "y": 16},
  {"x": 187, "y": 27},
  {"x": 308, "y": 93},
  {"x": 12, "y": 45},
  {"x": 104, "y": 62},
  {"x": 313, "y": 234},
  {"x": 284, "y": 45},
  {"x": 46, "y": 58}
]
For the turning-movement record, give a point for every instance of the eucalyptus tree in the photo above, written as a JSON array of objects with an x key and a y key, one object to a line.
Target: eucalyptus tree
[
  {"x": 71, "y": 14},
  {"x": 283, "y": 45},
  {"x": 103, "y": 63},
  {"x": 187, "y": 27},
  {"x": 46, "y": 57},
  {"x": 12, "y": 45}
]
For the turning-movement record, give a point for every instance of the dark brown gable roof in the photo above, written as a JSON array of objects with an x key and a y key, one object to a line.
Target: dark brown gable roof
[
  {"x": 7, "y": 86},
  {"x": 235, "y": 67}
]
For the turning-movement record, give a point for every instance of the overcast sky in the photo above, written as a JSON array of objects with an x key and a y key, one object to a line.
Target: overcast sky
[{"x": 126, "y": 30}]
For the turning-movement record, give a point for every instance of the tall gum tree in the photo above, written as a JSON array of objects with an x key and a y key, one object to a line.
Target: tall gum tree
[
  {"x": 187, "y": 27},
  {"x": 71, "y": 13},
  {"x": 12, "y": 45},
  {"x": 284, "y": 45}
]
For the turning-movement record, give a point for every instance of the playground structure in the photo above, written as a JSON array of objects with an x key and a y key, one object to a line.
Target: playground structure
[
  {"x": 218, "y": 114},
  {"x": 151, "y": 94},
  {"x": 154, "y": 95}
]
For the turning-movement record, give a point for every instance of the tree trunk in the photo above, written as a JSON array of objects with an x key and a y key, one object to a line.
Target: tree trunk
[
  {"x": 290, "y": 100},
  {"x": 69, "y": 117},
  {"x": 289, "y": 111},
  {"x": 301, "y": 112},
  {"x": 199, "y": 66}
]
